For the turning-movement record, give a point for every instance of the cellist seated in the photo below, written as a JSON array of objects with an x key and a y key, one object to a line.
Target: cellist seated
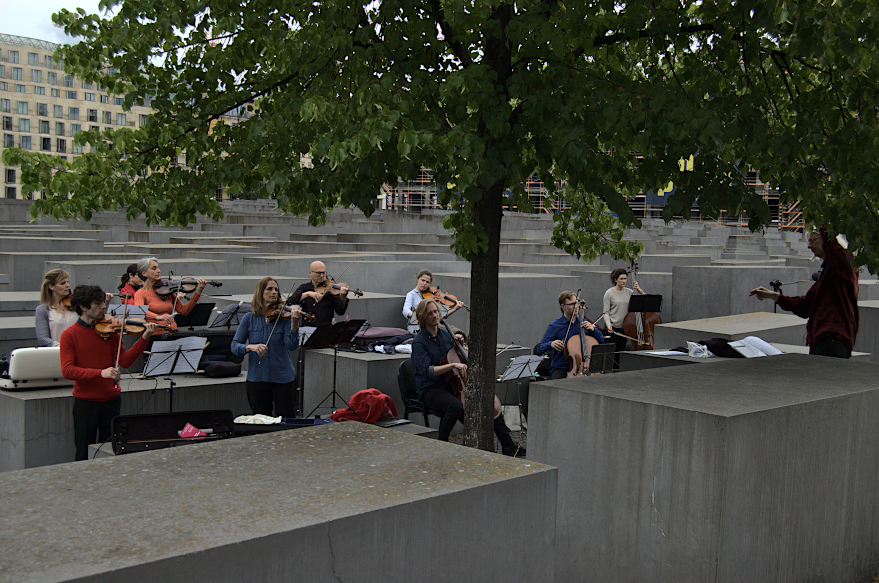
[
  {"x": 564, "y": 330},
  {"x": 429, "y": 347}
]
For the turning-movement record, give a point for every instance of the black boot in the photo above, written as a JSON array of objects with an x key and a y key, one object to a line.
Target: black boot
[{"x": 508, "y": 446}]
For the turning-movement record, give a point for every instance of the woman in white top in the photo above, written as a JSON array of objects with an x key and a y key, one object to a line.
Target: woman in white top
[
  {"x": 616, "y": 306},
  {"x": 52, "y": 316},
  {"x": 414, "y": 297}
]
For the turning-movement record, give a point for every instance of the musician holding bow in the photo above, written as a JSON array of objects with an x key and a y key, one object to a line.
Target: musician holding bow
[
  {"x": 90, "y": 362},
  {"x": 616, "y": 306},
  {"x": 161, "y": 309},
  {"x": 563, "y": 329},
  {"x": 428, "y": 349},
  {"x": 414, "y": 297},
  {"x": 321, "y": 305}
]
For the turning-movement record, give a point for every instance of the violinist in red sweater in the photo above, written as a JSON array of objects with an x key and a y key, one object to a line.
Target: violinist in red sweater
[{"x": 90, "y": 362}]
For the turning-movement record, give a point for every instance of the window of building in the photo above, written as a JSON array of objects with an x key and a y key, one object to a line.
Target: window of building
[
  {"x": 46, "y": 144},
  {"x": 13, "y": 56},
  {"x": 24, "y": 124},
  {"x": 10, "y": 192},
  {"x": 75, "y": 128},
  {"x": 89, "y": 96},
  {"x": 17, "y": 74},
  {"x": 8, "y": 140},
  {"x": 5, "y": 105},
  {"x": 105, "y": 99},
  {"x": 58, "y": 111},
  {"x": 39, "y": 90},
  {"x": 86, "y": 85},
  {"x": 56, "y": 92},
  {"x": 118, "y": 100},
  {"x": 4, "y": 86},
  {"x": 107, "y": 117},
  {"x": 92, "y": 115},
  {"x": 10, "y": 175},
  {"x": 22, "y": 108},
  {"x": 68, "y": 80},
  {"x": 142, "y": 119},
  {"x": 33, "y": 59},
  {"x": 44, "y": 126},
  {"x": 59, "y": 128},
  {"x": 43, "y": 109},
  {"x": 75, "y": 148},
  {"x": 62, "y": 145},
  {"x": 50, "y": 62},
  {"x": 52, "y": 78},
  {"x": 2, "y": 70},
  {"x": 71, "y": 95},
  {"x": 121, "y": 119},
  {"x": 25, "y": 143},
  {"x": 95, "y": 128},
  {"x": 36, "y": 75},
  {"x": 20, "y": 88},
  {"x": 73, "y": 113},
  {"x": 7, "y": 123}
]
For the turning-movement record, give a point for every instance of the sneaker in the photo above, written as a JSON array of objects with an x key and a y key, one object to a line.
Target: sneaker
[{"x": 514, "y": 451}]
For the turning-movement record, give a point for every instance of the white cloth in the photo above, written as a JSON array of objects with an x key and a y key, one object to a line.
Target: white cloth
[
  {"x": 257, "y": 419},
  {"x": 59, "y": 323}
]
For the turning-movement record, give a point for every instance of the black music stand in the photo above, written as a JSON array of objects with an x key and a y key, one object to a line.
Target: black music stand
[
  {"x": 199, "y": 316},
  {"x": 645, "y": 303},
  {"x": 174, "y": 357},
  {"x": 233, "y": 317},
  {"x": 332, "y": 336},
  {"x": 601, "y": 358}
]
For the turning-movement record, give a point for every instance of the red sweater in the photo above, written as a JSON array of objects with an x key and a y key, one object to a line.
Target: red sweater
[
  {"x": 831, "y": 304},
  {"x": 84, "y": 355}
]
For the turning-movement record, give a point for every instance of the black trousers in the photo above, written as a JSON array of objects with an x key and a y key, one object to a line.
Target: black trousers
[
  {"x": 91, "y": 423},
  {"x": 262, "y": 396},
  {"x": 831, "y": 346},
  {"x": 451, "y": 409},
  {"x": 620, "y": 343}
]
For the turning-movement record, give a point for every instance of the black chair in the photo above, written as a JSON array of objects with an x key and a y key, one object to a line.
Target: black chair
[{"x": 406, "y": 382}]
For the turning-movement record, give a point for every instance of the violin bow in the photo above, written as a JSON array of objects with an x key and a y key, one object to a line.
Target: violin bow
[
  {"x": 276, "y": 322},
  {"x": 121, "y": 334},
  {"x": 573, "y": 315}
]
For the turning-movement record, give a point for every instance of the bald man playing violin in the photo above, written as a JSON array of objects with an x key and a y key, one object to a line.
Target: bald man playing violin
[
  {"x": 321, "y": 305},
  {"x": 90, "y": 362}
]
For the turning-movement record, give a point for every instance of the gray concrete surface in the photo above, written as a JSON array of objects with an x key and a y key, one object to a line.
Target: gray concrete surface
[
  {"x": 781, "y": 327},
  {"x": 868, "y": 328},
  {"x": 346, "y": 502},
  {"x": 751, "y": 470}
]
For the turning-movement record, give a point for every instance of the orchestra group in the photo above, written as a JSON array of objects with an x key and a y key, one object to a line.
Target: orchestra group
[{"x": 269, "y": 332}]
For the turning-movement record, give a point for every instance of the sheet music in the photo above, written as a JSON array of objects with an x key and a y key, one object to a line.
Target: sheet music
[
  {"x": 164, "y": 353},
  {"x": 133, "y": 311},
  {"x": 521, "y": 366}
]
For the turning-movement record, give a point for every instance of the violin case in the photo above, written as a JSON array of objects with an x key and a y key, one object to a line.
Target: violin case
[
  {"x": 133, "y": 433},
  {"x": 34, "y": 368}
]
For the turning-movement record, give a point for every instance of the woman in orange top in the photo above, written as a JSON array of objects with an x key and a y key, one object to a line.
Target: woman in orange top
[{"x": 159, "y": 309}]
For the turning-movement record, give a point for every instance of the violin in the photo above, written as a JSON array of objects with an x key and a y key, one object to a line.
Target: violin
[
  {"x": 285, "y": 312},
  {"x": 433, "y": 293},
  {"x": 186, "y": 285},
  {"x": 133, "y": 326},
  {"x": 330, "y": 286},
  {"x": 65, "y": 301}
]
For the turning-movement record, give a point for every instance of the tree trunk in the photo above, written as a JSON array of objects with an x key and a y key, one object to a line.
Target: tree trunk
[{"x": 479, "y": 394}]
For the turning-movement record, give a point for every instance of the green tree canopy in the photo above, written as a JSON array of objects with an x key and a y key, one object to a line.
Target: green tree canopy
[{"x": 605, "y": 95}]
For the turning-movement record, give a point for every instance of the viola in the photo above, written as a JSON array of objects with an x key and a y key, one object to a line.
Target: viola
[
  {"x": 132, "y": 326},
  {"x": 187, "y": 285},
  {"x": 330, "y": 286},
  {"x": 435, "y": 293},
  {"x": 285, "y": 312}
]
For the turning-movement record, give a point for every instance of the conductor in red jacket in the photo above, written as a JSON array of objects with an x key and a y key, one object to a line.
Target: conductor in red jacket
[
  {"x": 831, "y": 304},
  {"x": 90, "y": 362}
]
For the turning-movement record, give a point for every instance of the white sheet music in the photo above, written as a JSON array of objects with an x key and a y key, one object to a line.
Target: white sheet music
[
  {"x": 163, "y": 354},
  {"x": 522, "y": 366},
  {"x": 133, "y": 311}
]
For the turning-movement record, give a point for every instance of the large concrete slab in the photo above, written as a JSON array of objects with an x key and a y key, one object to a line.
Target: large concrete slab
[
  {"x": 36, "y": 427},
  {"x": 868, "y": 328},
  {"x": 782, "y": 327},
  {"x": 345, "y": 502},
  {"x": 746, "y": 470}
]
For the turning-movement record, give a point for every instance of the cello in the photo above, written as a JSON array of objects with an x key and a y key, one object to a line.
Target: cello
[
  {"x": 578, "y": 348},
  {"x": 638, "y": 326},
  {"x": 458, "y": 379}
]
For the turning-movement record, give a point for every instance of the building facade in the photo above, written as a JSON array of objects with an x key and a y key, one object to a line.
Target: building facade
[{"x": 42, "y": 108}]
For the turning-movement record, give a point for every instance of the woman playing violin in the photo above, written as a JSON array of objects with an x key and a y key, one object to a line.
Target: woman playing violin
[
  {"x": 161, "y": 308},
  {"x": 428, "y": 349},
  {"x": 414, "y": 297},
  {"x": 52, "y": 316},
  {"x": 563, "y": 329},
  {"x": 270, "y": 376},
  {"x": 321, "y": 304}
]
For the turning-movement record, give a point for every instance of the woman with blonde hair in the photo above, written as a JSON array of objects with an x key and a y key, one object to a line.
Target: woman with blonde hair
[
  {"x": 270, "y": 376},
  {"x": 52, "y": 316}
]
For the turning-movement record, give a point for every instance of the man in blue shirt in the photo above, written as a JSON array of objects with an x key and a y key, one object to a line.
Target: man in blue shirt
[
  {"x": 428, "y": 349},
  {"x": 561, "y": 330}
]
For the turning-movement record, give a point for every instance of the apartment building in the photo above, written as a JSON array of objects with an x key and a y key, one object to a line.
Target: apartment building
[{"x": 42, "y": 107}]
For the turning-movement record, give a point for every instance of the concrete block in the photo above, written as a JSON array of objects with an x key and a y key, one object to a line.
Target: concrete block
[
  {"x": 346, "y": 502},
  {"x": 735, "y": 471},
  {"x": 782, "y": 327},
  {"x": 868, "y": 328},
  {"x": 706, "y": 292}
]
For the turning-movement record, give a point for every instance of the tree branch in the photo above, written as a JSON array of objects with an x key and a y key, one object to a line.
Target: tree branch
[{"x": 460, "y": 51}]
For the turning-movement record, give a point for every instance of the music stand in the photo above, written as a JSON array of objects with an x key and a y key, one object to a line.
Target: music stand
[
  {"x": 332, "y": 336},
  {"x": 645, "y": 303},
  {"x": 199, "y": 316},
  {"x": 521, "y": 367},
  {"x": 601, "y": 358},
  {"x": 174, "y": 357},
  {"x": 229, "y": 318},
  {"x": 133, "y": 311}
]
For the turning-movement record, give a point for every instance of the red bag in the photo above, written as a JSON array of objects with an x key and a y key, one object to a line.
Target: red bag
[{"x": 371, "y": 404}]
